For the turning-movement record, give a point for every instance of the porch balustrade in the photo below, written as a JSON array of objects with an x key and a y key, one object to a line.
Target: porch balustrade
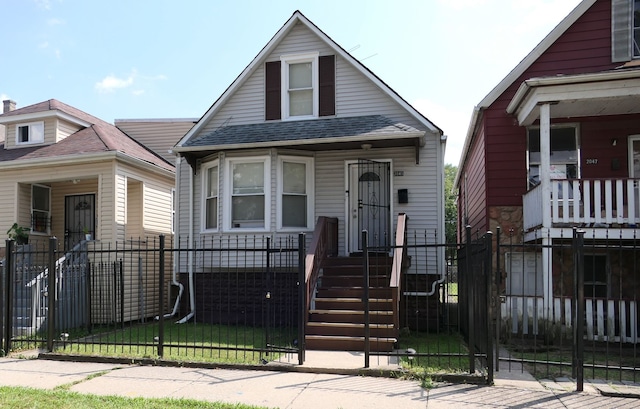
[{"x": 585, "y": 202}]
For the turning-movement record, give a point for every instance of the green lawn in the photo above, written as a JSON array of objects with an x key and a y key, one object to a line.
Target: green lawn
[
  {"x": 436, "y": 353},
  {"x": 183, "y": 342},
  {"x": 19, "y": 398},
  {"x": 551, "y": 362}
]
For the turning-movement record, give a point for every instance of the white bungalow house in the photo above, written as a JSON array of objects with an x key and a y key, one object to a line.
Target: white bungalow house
[{"x": 307, "y": 133}]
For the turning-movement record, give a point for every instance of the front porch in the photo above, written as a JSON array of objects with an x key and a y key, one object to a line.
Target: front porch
[{"x": 594, "y": 204}]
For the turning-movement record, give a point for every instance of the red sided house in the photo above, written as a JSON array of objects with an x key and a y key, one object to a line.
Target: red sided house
[
  {"x": 556, "y": 146},
  {"x": 307, "y": 136}
]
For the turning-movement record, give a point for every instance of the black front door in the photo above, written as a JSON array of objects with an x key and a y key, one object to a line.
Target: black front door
[{"x": 79, "y": 212}]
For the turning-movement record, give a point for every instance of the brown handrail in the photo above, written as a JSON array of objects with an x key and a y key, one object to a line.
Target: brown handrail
[
  {"x": 324, "y": 244},
  {"x": 400, "y": 258}
]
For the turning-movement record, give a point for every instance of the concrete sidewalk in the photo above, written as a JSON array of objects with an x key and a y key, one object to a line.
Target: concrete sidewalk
[{"x": 286, "y": 389}]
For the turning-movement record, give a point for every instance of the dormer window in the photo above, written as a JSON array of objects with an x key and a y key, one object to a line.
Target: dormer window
[
  {"x": 300, "y": 86},
  {"x": 30, "y": 133}
]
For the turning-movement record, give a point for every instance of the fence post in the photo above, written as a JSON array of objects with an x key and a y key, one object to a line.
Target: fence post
[
  {"x": 9, "y": 269},
  {"x": 302, "y": 298},
  {"x": 161, "y": 299},
  {"x": 51, "y": 294},
  {"x": 490, "y": 308},
  {"x": 578, "y": 319},
  {"x": 498, "y": 300},
  {"x": 365, "y": 297},
  {"x": 470, "y": 293},
  {"x": 268, "y": 297}
]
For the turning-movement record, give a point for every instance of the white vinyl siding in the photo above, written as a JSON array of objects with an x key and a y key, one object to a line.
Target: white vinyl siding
[
  {"x": 356, "y": 95},
  {"x": 423, "y": 197}
]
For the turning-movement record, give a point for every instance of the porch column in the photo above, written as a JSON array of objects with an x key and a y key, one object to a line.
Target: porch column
[
  {"x": 545, "y": 163},
  {"x": 545, "y": 185}
]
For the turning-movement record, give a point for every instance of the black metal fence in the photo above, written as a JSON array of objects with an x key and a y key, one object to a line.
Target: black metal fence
[
  {"x": 239, "y": 299},
  {"x": 568, "y": 306},
  {"x": 227, "y": 299}
]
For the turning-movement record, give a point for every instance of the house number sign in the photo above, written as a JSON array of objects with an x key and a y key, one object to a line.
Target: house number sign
[{"x": 591, "y": 161}]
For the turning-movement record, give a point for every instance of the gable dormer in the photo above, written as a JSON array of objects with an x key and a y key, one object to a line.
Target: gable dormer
[
  {"x": 625, "y": 30},
  {"x": 300, "y": 86},
  {"x": 37, "y": 125}
]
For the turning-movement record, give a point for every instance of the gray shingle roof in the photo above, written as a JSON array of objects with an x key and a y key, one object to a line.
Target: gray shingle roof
[{"x": 375, "y": 126}]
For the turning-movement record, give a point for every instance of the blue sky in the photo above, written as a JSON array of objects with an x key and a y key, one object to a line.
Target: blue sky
[{"x": 170, "y": 59}]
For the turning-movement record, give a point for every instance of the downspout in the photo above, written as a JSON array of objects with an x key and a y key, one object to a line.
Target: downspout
[
  {"x": 174, "y": 277},
  {"x": 440, "y": 236},
  {"x": 192, "y": 301}
]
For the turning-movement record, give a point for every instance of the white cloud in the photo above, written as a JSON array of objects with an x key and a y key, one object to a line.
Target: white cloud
[
  {"x": 111, "y": 83},
  {"x": 43, "y": 44}
]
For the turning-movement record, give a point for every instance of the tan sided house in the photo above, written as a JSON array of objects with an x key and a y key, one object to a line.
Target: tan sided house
[
  {"x": 70, "y": 175},
  {"x": 66, "y": 173}
]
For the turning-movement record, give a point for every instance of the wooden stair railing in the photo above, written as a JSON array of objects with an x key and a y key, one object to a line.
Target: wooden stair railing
[
  {"x": 400, "y": 263},
  {"x": 324, "y": 244}
]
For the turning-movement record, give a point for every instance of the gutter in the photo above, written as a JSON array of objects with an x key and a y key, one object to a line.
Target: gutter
[
  {"x": 174, "y": 276},
  {"x": 192, "y": 301},
  {"x": 302, "y": 142}
]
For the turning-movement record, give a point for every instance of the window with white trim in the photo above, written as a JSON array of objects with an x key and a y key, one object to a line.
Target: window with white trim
[
  {"x": 248, "y": 183},
  {"x": 295, "y": 192},
  {"x": 299, "y": 86},
  {"x": 40, "y": 209},
  {"x": 210, "y": 189},
  {"x": 564, "y": 154},
  {"x": 28, "y": 133}
]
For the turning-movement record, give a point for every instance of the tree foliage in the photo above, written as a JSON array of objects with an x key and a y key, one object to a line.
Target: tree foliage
[{"x": 450, "y": 207}]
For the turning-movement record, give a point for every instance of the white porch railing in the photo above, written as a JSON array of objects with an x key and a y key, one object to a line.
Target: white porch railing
[
  {"x": 605, "y": 320},
  {"x": 585, "y": 202}
]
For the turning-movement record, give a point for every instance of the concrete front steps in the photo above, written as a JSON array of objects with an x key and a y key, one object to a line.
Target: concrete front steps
[{"x": 337, "y": 321}]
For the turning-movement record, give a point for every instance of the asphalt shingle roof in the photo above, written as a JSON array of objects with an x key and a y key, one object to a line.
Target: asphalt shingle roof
[
  {"x": 375, "y": 126},
  {"x": 100, "y": 136}
]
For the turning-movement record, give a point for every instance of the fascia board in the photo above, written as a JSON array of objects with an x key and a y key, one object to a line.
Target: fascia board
[{"x": 43, "y": 115}]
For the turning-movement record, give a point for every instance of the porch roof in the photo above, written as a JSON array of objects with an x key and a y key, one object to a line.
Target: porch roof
[
  {"x": 314, "y": 134},
  {"x": 613, "y": 92}
]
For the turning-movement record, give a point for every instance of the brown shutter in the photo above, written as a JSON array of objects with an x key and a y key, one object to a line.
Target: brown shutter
[
  {"x": 327, "y": 84},
  {"x": 272, "y": 91}
]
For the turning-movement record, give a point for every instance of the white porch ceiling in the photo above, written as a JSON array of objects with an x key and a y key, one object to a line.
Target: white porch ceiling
[{"x": 583, "y": 95}]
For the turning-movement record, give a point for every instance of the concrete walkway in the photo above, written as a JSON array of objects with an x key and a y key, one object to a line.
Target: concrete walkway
[{"x": 324, "y": 383}]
